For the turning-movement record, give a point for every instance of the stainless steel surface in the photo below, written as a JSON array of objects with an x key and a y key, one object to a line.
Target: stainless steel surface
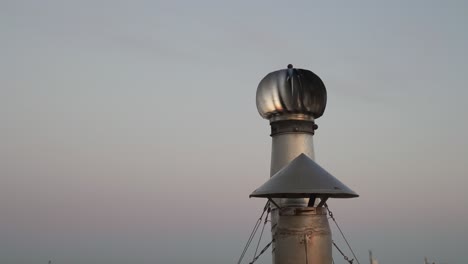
[
  {"x": 301, "y": 178},
  {"x": 302, "y": 235},
  {"x": 291, "y": 91},
  {"x": 289, "y": 230},
  {"x": 286, "y": 147},
  {"x": 291, "y": 117}
]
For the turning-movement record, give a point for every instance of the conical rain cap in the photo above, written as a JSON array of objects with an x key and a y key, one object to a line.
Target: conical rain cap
[{"x": 301, "y": 178}]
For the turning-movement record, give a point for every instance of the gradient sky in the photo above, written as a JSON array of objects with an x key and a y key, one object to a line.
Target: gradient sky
[{"x": 129, "y": 131}]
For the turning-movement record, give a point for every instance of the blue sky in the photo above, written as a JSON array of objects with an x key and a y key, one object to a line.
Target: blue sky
[{"x": 130, "y": 132}]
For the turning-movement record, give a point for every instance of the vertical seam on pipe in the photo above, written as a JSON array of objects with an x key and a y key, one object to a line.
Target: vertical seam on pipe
[{"x": 305, "y": 246}]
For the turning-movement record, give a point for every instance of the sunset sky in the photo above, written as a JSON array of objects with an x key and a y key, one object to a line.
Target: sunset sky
[{"x": 129, "y": 131}]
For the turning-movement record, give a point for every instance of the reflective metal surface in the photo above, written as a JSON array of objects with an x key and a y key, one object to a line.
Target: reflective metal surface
[
  {"x": 302, "y": 235},
  {"x": 285, "y": 148},
  {"x": 291, "y": 91},
  {"x": 301, "y": 178},
  {"x": 291, "y": 117}
]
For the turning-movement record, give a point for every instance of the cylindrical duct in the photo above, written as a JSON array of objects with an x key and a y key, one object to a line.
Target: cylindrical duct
[
  {"x": 302, "y": 235},
  {"x": 292, "y": 99},
  {"x": 285, "y": 148}
]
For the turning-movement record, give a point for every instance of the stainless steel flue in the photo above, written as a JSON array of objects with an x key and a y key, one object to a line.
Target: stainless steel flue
[{"x": 291, "y": 99}]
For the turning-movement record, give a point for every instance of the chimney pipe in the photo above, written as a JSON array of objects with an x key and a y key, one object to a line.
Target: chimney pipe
[{"x": 292, "y": 99}]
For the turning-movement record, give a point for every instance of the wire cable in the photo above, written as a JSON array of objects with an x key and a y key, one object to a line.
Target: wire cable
[
  {"x": 344, "y": 237},
  {"x": 261, "y": 233},
  {"x": 254, "y": 231},
  {"x": 263, "y": 251},
  {"x": 341, "y": 252}
]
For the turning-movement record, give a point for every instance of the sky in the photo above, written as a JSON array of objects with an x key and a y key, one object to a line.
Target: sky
[{"x": 129, "y": 131}]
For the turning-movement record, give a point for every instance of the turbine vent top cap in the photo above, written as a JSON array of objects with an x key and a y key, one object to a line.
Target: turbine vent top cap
[{"x": 291, "y": 91}]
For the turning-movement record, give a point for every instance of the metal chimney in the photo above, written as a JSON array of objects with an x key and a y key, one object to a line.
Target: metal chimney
[{"x": 291, "y": 99}]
